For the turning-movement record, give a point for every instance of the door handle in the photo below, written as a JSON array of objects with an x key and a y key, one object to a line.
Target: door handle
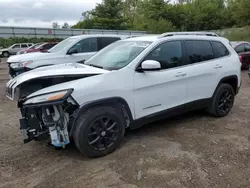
[
  {"x": 218, "y": 66},
  {"x": 179, "y": 74}
]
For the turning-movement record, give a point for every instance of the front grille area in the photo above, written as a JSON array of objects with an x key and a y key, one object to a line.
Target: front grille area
[
  {"x": 10, "y": 90},
  {"x": 11, "y": 72}
]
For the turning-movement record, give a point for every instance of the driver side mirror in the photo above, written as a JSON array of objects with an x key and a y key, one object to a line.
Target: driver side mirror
[
  {"x": 149, "y": 65},
  {"x": 72, "y": 51}
]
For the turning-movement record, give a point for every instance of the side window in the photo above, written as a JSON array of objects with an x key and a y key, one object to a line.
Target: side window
[
  {"x": 24, "y": 46},
  {"x": 198, "y": 51},
  {"x": 240, "y": 48},
  {"x": 219, "y": 49},
  {"x": 168, "y": 54},
  {"x": 48, "y": 46},
  {"x": 87, "y": 45},
  {"x": 247, "y": 48},
  {"x": 105, "y": 41},
  {"x": 16, "y": 46}
]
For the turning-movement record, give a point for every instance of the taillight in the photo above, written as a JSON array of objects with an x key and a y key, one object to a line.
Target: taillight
[{"x": 240, "y": 58}]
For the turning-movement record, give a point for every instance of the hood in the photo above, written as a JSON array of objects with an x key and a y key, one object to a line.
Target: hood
[
  {"x": 57, "y": 71},
  {"x": 45, "y": 77},
  {"x": 31, "y": 57},
  {"x": 4, "y": 49}
]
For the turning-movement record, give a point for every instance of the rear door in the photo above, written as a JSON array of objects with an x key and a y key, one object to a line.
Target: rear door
[
  {"x": 24, "y": 46},
  {"x": 86, "y": 48},
  {"x": 202, "y": 68}
]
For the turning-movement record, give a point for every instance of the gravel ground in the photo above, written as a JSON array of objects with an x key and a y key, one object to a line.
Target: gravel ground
[{"x": 191, "y": 150}]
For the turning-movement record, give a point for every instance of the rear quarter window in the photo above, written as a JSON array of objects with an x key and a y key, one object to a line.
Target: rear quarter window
[{"x": 219, "y": 49}]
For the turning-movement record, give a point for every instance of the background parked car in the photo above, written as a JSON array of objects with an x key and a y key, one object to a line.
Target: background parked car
[
  {"x": 40, "y": 47},
  {"x": 243, "y": 50},
  {"x": 12, "y": 50},
  {"x": 74, "y": 49},
  {"x": 31, "y": 47}
]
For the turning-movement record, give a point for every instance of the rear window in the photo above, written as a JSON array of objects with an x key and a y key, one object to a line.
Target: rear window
[
  {"x": 219, "y": 49},
  {"x": 198, "y": 51}
]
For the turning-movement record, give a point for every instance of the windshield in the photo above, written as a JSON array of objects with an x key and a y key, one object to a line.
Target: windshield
[
  {"x": 61, "y": 45},
  {"x": 118, "y": 54},
  {"x": 35, "y": 46}
]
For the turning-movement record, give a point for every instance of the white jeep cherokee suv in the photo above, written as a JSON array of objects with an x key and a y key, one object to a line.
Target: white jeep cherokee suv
[{"x": 125, "y": 85}]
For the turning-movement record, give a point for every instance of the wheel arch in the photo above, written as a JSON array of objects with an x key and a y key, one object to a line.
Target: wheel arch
[
  {"x": 231, "y": 80},
  {"x": 113, "y": 101}
]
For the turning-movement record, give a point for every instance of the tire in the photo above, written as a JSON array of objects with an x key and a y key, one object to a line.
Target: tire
[
  {"x": 222, "y": 101},
  {"x": 6, "y": 54},
  {"x": 94, "y": 124}
]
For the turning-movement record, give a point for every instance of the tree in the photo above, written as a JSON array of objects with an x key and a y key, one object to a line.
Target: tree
[
  {"x": 240, "y": 11},
  {"x": 108, "y": 15},
  {"x": 158, "y": 16},
  {"x": 130, "y": 12},
  {"x": 65, "y": 26},
  {"x": 55, "y": 25}
]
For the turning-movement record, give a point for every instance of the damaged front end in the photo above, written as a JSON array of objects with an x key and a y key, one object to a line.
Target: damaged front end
[{"x": 48, "y": 116}]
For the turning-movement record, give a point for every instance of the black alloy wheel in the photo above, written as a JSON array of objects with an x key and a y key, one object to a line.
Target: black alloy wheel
[
  {"x": 226, "y": 101},
  {"x": 222, "y": 101},
  {"x": 99, "y": 130},
  {"x": 102, "y": 133}
]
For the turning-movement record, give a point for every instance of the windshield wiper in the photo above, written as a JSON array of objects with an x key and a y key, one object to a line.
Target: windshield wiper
[{"x": 96, "y": 66}]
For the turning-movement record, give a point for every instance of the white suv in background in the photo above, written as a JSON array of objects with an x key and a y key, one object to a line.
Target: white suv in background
[
  {"x": 125, "y": 85},
  {"x": 13, "y": 49},
  {"x": 73, "y": 49}
]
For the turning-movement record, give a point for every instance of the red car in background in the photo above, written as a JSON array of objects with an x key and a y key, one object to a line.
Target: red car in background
[
  {"x": 243, "y": 50},
  {"x": 40, "y": 47}
]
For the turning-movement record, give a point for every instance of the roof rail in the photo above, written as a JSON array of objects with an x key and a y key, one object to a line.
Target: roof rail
[{"x": 202, "y": 33}]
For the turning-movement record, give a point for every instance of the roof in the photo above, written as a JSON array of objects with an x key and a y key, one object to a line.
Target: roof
[
  {"x": 177, "y": 37},
  {"x": 98, "y": 35},
  {"x": 144, "y": 38},
  {"x": 199, "y": 33},
  {"x": 237, "y": 43}
]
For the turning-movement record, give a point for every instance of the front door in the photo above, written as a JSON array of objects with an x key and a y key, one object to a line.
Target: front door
[
  {"x": 15, "y": 49},
  {"x": 157, "y": 91},
  {"x": 86, "y": 48}
]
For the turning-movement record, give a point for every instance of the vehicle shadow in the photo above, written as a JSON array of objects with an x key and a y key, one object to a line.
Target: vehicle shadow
[{"x": 148, "y": 130}]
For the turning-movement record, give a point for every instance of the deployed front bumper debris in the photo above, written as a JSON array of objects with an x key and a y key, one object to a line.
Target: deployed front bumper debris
[{"x": 42, "y": 122}]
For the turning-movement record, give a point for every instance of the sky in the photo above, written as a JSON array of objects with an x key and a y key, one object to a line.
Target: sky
[{"x": 42, "y": 13}]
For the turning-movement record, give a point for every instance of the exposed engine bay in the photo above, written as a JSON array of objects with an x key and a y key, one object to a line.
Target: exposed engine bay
[
  {"x": 50, "y": 114},
  {"x": 49, "y": 120}
]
